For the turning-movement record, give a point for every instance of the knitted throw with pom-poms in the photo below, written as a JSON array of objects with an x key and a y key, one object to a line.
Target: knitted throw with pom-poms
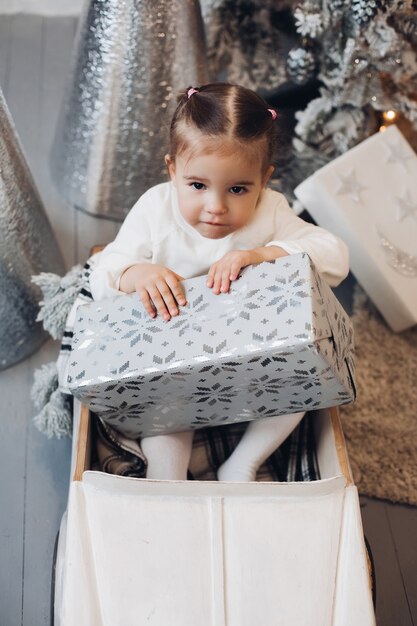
[{"x": 61, "y": 298}]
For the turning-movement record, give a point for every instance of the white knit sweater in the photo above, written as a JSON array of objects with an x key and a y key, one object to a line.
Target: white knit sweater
[{"x": 154, "y": 231}]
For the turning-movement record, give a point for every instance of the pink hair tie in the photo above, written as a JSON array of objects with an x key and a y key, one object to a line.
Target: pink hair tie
[
  {"x": 191, "y": 91},
  {"x": 273, "y": 113}
]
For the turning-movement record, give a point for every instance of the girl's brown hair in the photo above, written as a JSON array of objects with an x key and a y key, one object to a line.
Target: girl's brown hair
[{"x": 224, "y": 110}]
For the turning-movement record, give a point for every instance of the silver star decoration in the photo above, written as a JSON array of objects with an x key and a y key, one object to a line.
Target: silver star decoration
[
  {"x": 398, "y": 153},
  {"x": 350, "y": 186},
  {"x": 406, "y": 207}
]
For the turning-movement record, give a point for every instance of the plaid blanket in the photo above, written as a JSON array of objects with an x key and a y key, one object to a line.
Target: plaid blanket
[{"x": 294, "y": 460}]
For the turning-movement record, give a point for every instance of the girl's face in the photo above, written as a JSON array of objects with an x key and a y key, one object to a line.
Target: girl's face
[{"x": 217, "y": 192}]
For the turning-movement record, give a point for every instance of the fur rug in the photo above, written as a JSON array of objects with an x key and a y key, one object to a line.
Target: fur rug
[{"x": 381, "y": 426}]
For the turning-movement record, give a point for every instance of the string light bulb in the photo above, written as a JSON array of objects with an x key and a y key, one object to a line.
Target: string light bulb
[{"x": 389, "y": 116}]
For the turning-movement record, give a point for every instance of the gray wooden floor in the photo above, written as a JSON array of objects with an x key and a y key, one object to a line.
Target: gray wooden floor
[{"x": 34, "y": 59}]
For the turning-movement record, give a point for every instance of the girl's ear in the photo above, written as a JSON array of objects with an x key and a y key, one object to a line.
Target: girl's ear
[
  {"x": 267, "y": 175},
  {"x": 170, "y": 163}
]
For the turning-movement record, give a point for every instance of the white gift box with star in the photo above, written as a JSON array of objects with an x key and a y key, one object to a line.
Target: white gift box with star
[
  {"x": 368, "y": 197},
  {"x": 278, "y": 343}
]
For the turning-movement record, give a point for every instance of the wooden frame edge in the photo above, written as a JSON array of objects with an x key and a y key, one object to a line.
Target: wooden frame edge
[
  {"x": 342, "y": 454},
  {"x": 341, "y": 449},
  {"x": 83, "y": 444}
]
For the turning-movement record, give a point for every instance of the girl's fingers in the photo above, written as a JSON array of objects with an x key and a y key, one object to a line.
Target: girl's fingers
[
  {"x": 176, "y": 289},
  {"x": 167, "y": 297},
  {"x": 228, "y": 268},
  {"x": 146, "y": 301},
  {"x": 159, "y": 303},
  {"x": 225, "y": 285},
  {"x": 217, "y": 282},
  {"x": 162, "y": 296},
  {"x": 210, "y": 277},
  {"x": 234, "y": 271}
]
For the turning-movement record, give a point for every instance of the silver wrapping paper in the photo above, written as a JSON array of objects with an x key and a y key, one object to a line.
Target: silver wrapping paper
[
  {"x": 27, "y": 247},
  {"x": 278, "y": 343},
  {"x": 131, "y": 59}
]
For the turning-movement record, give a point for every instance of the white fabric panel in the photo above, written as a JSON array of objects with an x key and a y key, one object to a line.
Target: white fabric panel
[
  {"x": 80, "y": 600},
  {"x": 353, "y": 601},
  {"x": 281, "y": 559},
  {"x": 211, "y": 554}
]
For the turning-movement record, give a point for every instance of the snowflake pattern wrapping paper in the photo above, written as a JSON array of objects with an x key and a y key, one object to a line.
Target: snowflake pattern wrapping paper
[
  {"x": 278, "y": 343},
  {"x": 368, "y": 196}
]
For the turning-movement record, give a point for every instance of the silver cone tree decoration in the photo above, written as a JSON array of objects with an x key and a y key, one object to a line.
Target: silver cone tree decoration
[
  {"x": 131, "y": 59},
  {"x": 27, "y": 247}
]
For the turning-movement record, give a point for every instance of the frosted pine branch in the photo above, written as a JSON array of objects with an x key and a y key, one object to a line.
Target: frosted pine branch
[{"x": 308, "y": 24}]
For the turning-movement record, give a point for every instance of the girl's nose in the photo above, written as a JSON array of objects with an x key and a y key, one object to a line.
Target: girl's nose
[{"x": 217, "y": 206}]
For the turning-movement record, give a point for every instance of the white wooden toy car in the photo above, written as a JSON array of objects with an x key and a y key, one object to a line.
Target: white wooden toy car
[{"x": 134, "y": 552}]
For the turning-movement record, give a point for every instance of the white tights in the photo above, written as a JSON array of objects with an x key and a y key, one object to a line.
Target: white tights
[{"x": 169, "y": 455}]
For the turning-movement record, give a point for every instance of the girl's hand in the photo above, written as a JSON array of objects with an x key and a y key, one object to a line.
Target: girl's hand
[
  {"x": 228, "y": 267},
  {"x": 158, "y": 288}
]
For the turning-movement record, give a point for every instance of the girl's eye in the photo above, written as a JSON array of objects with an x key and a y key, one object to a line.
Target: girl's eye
[
  {"x": 237, "y": 190},
  {"x": 197, "y": 186}
]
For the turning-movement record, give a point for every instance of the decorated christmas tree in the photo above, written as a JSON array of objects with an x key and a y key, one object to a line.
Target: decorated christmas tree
[{"x": 359, "y": 55}]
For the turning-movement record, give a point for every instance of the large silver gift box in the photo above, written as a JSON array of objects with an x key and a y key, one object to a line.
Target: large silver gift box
[{"x": 278, "y": 343}]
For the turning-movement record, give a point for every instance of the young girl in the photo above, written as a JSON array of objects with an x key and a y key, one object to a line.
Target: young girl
[{"x": 214, "y": 217}]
